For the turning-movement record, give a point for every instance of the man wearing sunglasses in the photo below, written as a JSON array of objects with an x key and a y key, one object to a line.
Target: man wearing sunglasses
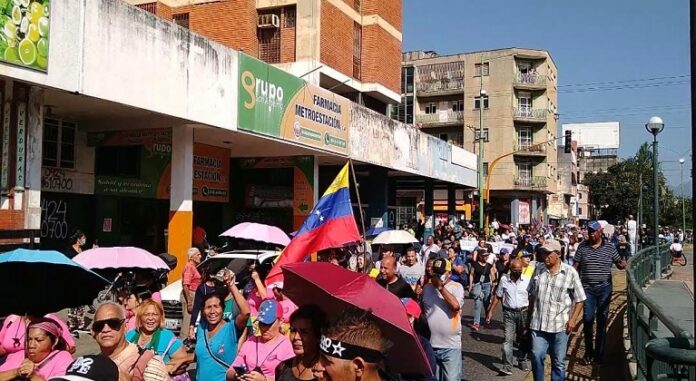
[
  {"x": 109, "y": 331},
  {"x": 512, "y": 291}
]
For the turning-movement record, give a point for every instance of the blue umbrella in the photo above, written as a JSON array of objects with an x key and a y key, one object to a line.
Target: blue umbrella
[{"x": 38, "y": 282}]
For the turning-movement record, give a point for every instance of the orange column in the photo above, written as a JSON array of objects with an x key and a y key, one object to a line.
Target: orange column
[{"x": 180, "y": 204}]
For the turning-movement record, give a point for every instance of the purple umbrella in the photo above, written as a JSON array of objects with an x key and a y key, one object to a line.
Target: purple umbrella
[
  {"x": 258, "y": 232},
  {"x": 124, "y": 257}
]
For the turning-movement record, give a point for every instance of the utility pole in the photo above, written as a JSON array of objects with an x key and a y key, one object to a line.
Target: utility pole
[
  {"x": 480, "y": 146},
  {"x": 681, "y": 190}
]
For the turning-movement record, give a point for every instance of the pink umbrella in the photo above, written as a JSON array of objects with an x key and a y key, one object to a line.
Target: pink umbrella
[
  {"x": 258, "y": 232},
  {"x": 124, "y": 257}
]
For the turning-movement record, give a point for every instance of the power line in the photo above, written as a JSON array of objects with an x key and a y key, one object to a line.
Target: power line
[{"x": 627, "y": 81}]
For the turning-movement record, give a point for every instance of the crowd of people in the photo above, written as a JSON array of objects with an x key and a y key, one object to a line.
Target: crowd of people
[{"x": 546, "y": 279}]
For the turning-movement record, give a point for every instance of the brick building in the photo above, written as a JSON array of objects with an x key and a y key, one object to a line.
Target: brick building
[{"x": 352, "y": 47}]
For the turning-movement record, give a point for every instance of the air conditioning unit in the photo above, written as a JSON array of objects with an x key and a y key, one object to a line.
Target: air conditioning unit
[{"x": 269, "y": 20}]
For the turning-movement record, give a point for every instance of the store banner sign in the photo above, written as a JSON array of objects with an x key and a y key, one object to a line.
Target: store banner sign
[
  {"x": 25, "y": 32},
  {"x": 21, "y": 143},
  {"x": 275, "y": 103},
  {"x": 4, "y": 178},
  {"x": 524, "y": 214},
  {"x": 211, "y": 167}
]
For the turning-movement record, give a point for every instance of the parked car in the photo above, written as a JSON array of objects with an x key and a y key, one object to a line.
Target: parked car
[{"x": 238, "y": 261}]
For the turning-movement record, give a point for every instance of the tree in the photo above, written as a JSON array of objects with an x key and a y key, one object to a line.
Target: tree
[{"x": 615, "y": 193}]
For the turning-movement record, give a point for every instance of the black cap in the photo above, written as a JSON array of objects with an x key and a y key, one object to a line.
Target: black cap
[
  {"x": 90, "y": 368},
  {"x": 440, "y": 266}
]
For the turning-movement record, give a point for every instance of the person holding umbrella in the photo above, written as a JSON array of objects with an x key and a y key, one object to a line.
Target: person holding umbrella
[
  {"x": 351, "y": 348},
  {"x": 14, "y": 329},
  {"x": 46, "y": 354}
]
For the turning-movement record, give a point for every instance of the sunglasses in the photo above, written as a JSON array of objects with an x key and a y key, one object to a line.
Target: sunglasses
[{"x": 114, "y": 324}]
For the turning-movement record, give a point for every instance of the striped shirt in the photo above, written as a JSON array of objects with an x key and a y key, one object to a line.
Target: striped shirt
[
  {"x": 554, "y": 297},
  {"x": 594, "y": 265}
]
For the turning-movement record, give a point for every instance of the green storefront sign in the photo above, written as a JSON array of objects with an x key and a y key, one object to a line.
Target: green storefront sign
[
  {"x": 25, "y": 32},
  {"x": 275, "y": 103}
]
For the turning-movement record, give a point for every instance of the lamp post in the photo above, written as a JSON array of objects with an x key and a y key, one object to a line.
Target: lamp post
[
  {"x": 681, "y": 190},
  {"x": 482, "y": 93},
  {"x": 655, "y": 126}
]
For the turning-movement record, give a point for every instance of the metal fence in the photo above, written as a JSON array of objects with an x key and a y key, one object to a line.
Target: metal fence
[{"x": 672, "y": 358}]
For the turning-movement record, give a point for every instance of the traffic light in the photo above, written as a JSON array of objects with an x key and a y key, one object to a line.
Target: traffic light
[{"x": 566, "y": 142}]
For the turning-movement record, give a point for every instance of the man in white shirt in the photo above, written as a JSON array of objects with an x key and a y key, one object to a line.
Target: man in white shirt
[
  {"x": 442, "y": 303},
  {"x": 632, "y": 227},
  {"x": 425, "y": 251},
  {"x": 512, "y": 291}
]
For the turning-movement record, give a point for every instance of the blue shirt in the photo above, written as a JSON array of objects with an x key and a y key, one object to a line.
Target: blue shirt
[
  {"x": 165, "y": 346},
  {"x": 224, "y": 347},
  {"x": 463, "y": 279}
]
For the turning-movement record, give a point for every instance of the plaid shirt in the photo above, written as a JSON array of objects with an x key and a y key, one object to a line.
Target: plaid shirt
[{"x": 554, "y": 297}]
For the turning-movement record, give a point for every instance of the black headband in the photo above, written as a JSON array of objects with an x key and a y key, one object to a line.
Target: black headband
[{"x": 343, "y": 350}]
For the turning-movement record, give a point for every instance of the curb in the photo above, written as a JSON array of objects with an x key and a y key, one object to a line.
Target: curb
[{"x": 632, "y": 365}]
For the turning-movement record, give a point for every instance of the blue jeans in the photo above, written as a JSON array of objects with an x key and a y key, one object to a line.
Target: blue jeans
[
  {"x": 482, "y": 303},
  {"x": 596, "y": 304},
  {"x": 448, "y": 364},
  {"x": 557, "y": 343}
]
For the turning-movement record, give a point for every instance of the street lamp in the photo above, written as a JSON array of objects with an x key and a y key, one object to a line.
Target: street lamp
[
  {"x": 655, "y": 126},
  {"x": 482, "y": 93},
  {"x": 681, "y": 190}
]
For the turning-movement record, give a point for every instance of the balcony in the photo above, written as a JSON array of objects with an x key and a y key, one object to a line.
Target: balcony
[
  {"x": 530, "y": 182},
  {"x": 440, "y": 118},
  {"x": 528, "y": 114},
  {"x": 440, "y": 88},
  {"x": 530, "y": 149},
  {"x": 530, "y": 81}
]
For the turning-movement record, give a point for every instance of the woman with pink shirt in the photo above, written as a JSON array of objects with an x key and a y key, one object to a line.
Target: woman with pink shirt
[
  {"x": 190, "y": 280},
  {"x": 14, "y": 329},
  {"x": 46, "y": 356},
  {"x": 259, "y": 356}
]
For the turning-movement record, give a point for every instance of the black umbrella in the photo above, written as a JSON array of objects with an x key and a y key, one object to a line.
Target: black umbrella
[{"x": 38, "y": 282}]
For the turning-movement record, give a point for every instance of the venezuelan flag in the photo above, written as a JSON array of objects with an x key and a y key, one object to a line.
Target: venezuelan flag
[{"x": 330, "y": 224}]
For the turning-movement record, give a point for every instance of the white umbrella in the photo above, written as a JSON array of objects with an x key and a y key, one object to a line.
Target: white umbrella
[{"x": 394, "y": 237}]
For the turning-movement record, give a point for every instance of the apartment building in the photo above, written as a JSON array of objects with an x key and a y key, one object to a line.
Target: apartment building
[
  {"x": 597, "y": 145},
  {"x": 352, "y": 47},
  {"x": 563, "y": 204},
  {"x": 515, "y": 89}
]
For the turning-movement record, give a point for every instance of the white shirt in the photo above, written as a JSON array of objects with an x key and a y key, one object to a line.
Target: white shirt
[
  {"x": 425, "y": 251},
  {"x": 445, "y": 325},
  {"x": 514, "y": 294},
  {"x": 675, "y": 247},
  {"x": 632, "y": 227}
]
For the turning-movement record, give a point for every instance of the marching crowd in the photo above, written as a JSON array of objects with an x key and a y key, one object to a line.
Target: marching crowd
[{"x": 544, "y": 279}]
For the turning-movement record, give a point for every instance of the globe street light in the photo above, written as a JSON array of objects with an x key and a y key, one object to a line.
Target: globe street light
[{"x": 655, "y": 126}]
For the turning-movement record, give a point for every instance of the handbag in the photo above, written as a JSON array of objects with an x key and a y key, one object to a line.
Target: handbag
[{"x": 477, "y": 290}]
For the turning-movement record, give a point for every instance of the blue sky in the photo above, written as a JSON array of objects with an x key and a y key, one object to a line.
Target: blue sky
[{"x": 644, "y": 44}]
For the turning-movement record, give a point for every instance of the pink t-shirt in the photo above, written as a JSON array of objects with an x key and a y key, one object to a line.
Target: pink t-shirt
[
  {"x": 270, "y": 354},
  {"x": 14, "y": 327},
  {"x": 255, "y": 300},
  {"x": 53, "y": 366}
]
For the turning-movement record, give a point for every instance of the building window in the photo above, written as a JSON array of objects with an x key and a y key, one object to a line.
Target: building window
[
  {"x": 357, "y": 49},
  {"x": 149, "y": 7},
  {"x": 408, "y": 110},
  {"x": 181, "y": 19},
  {"x": 289, "y": 16},
  {"x": 580, "y": 210},
  {"x": 458, "y": 106},
  {"x": 431, "y": 108},
  {"x": 477, "y": 102},
  {"x": 524, "y": 173},
  {"x": 477, "y": 69},
  {"x": 407, "y": 82},
  {"x": 59, "y": 143},
  {"x": 524, "y": 137},
  {"x": 269, "y": 44},
  {"x": 580, "y": 196},
  {"x": 485, "y": 135},
  {"x": 485, "y": 169}
]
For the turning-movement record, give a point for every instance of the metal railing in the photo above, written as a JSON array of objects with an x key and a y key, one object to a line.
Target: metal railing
[
  {"x": 530, "y": 147},
  {"x": 656, "y": 358},
  {"x": 440, "y": 85},
  {"x": 529, "y": 113},
  {"x": 531, "y": 182},
  {"x": 530, "y": 79},
  {"x": 440, "y": 117}
]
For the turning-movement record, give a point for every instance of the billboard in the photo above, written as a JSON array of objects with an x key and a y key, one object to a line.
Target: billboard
[
  {"x": 25, "y": 32},
  {"x": 274, "y": 103},
  {"x": 601, "y": 135}
]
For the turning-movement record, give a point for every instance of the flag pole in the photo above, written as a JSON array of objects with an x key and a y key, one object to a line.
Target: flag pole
[{"x": 357, "y": 194}]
